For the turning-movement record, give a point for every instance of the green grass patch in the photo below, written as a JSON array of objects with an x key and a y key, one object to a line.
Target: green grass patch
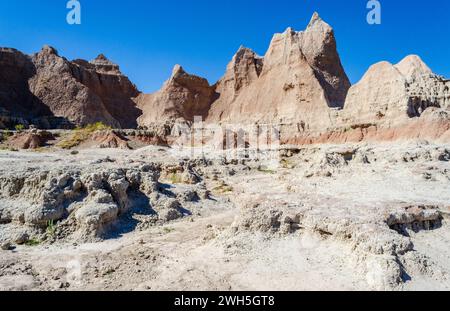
[
  {"x": 266, "y": 170},
  {"x": 81, "y": 134},
  {"x": 5, "y": 135},
  {"x": 33, "y": 242}
]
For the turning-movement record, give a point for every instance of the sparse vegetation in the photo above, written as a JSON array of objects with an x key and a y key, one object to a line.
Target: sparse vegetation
[
  {"x": 5, "y": 135},
  {"x": 168, "y": 230},
  {"x": 80, "y": 135},
  {"x": 223, "y": 188},
  {"x": 266, "y": 170},
  {"x": 51, "y": 228},
  {"x": 287, "y": 164},
  {"x": 175, "y": 178},
  {"x": 40, "y": 149},
  {"x": 33, "y": 242},
  {"x": 7, "y": 148},
  {"x": 19, "y": 127}
]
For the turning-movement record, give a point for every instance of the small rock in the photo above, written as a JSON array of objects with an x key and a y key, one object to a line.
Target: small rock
[
  {"x": 5, "y": 246},
  {"x": 21, "y": 238}
]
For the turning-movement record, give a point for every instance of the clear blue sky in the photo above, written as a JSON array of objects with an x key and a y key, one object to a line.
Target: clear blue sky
[{"x": 146, "y": 38}]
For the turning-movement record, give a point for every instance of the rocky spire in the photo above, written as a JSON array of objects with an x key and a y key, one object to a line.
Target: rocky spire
[
  {"x": 47, "y": 49},
  {"x": 412, "y": 66},
  {"x": 104, "y": 65},
  {"x": 318, "y": 44}
]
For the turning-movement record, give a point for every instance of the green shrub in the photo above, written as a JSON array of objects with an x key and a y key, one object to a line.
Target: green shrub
[
  {"x": 19, "y": 127},
  {"x": 51, "y": 228},
  {"x": 33, "y": 242}
]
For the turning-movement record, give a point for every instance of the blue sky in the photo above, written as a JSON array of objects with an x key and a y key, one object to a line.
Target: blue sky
[{"x": 147, "y": 38}]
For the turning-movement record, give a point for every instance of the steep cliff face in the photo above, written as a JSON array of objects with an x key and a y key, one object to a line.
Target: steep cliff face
[
  {"x": 243, "y": 70},
  {"x": 56, "y": 86},
  {"x": 17, "y": 103},
  {"x": 299, "y": 84},
  {"x": 405, "y": 101},
  {"x": 183, "y": 96},
  {"x": 116, "y": 91},
  {"x": 298, "y": 81},
  {"x": 50, "y": 91},
  {"x": 318, "y": 43}
]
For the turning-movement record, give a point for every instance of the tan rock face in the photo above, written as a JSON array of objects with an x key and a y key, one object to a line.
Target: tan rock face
[
  {"x": 299, "y": 84},
  {"x": 183, "y": 96},
  {"x": 110, "y": 139},
  {"x": 301, "y": 78},
  {"x": 394, "y": 93},
  {"x": 243, "y": 70}
]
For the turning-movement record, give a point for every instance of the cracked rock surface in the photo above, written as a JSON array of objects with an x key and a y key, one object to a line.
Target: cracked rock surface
[{"x": 325, "y": 217}]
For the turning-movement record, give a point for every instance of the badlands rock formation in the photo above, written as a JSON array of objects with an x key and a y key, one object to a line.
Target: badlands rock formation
[
  {"x": 115, "y": 90},
  {"x": 17, "y": 103},
  {"x": 52, "y": 92},
  {"x": 394, "y": 92},
  {"x": 391, "y": 102},
  {"x": 299, "y": 85},
  {"x": 127, "y": 209},
  {"x": 299, "y": 80},
  {"x": 183, "y": 96},
  {"x": 33, "y": 139},
  {"x": 330, "y": 217}
]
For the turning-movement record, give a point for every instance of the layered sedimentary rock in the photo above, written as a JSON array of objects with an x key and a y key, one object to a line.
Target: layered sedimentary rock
[
  {"x": 396, "y": 92},
  {"x": 56, "y": 86},
  {"x": 17, "y": 103},
  {"x": 298, "y": 81},
  {"x": 244, "y": 69},
  {"x": 299, "y": 85},
  {"x": 115, "y": 90},
  {"x": 51, "y": 91},
  {"x": 391, "y": 102},
  {"x": 183, "y": 96}
]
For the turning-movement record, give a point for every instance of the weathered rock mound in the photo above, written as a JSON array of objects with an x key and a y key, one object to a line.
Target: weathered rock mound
[
  {"x": 49, "y": 91},
  {"x": 183, "y": 96},
  {"x": 32, "y": 139},
  {"x": 110, "y": 139},
  {"x": 394, "y": 93},
  {"x": 85, "y": 203},
  {"x": 380, "y": 242}
]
